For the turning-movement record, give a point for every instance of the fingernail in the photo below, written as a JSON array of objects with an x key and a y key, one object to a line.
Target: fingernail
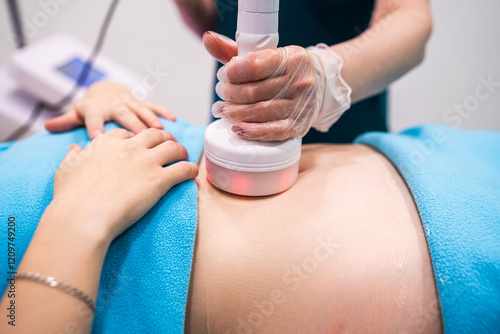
[
  {"x": 207, "y": 33},
  {"x": 221, "y": 36},
  {"x": 158, "y": 125},
  {"x": 218, "y": 90},
  {"x": 217, "y": 109},
  {"x": 237, "y": 130},
  {"x": 96, "y": 133},
  {"x": 221, "y": 74}
]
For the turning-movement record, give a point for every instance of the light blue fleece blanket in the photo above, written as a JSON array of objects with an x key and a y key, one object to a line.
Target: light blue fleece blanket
[
  {"x": 145, "y": 279},
  {"x": 454, "y": 177}
]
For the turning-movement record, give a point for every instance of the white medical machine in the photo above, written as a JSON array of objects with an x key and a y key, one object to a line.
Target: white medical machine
[
  {"x": 236, "y": 165},
  {"x": 47, "y": 72}
]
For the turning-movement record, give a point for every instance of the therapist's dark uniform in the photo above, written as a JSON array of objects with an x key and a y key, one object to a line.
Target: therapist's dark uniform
[{"x": 307, "y": 23}]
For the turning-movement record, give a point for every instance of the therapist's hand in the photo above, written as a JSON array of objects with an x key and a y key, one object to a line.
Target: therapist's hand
[
  {"x": 107, "y": 101},
  {"x": 117, "y": 179},
  {"x": 269, "y": 95}
]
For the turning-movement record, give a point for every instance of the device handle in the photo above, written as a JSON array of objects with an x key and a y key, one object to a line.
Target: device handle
[{"x": 257, "y": 25}]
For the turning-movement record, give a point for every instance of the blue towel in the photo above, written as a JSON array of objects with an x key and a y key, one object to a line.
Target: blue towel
[
  {"x": 145, "y": 279},
  {"x": 454, "y": 177}
]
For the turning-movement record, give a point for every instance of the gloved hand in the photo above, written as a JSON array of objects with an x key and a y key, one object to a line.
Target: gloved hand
[
  {"x": 273, "y": 95},
  {"x": 110, "y": 101}
]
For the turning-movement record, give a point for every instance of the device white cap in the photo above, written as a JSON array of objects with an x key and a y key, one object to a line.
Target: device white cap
[
  {"x": 231, "y": 151},
  {"x": 259, "y": 6}
]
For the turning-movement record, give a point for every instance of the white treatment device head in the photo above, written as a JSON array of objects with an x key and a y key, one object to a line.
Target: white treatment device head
[{"x": 244, "y": 167}]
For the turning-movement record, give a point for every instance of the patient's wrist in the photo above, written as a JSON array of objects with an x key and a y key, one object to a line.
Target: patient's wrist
[
  {"x": 64, "y": 250},
  {"x": 63, "y": 220}
]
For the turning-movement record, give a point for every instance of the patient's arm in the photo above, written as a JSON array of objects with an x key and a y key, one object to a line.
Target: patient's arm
[
  {"x": 343, "y": 251},
  {"x": 92, "y": 205}
]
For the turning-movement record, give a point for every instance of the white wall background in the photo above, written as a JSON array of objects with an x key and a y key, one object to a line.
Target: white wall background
[{"x": 465, "y": 47}]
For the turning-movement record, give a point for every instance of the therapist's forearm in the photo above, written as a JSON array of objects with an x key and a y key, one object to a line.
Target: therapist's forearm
[
  {"x": 199, "y": 15},
  {"x": 393, "y": 44},
  {"x": 65, "y": 249}
]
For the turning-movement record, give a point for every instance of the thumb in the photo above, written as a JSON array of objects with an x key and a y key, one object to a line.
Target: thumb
[
  {"x": 220, "y": 47},
  {"x": 66, "y": 122}
]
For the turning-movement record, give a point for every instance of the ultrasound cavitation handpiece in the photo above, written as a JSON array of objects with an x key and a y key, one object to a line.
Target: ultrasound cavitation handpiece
[{"x": 237, "y": 165}]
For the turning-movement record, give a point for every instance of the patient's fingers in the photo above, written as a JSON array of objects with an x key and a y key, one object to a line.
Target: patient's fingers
[
  {"x": 94, "y": 122},
  {"x": 153, "y": 137},
  {"x": 74, "y": 150},
  {"x": 145, "y": 114},
  {"x": 126, "y": 118},
  {"x": 170, "y": 152},
  {"x": 120, "y": 134},
  {"x": 65, "y": 122},
  {"x": 178, "y": 173},
  {"x": 160, "y": 110}
]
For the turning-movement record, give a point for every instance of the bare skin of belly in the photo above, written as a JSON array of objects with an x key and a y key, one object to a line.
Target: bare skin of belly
[{"x": 343, "y": 251}]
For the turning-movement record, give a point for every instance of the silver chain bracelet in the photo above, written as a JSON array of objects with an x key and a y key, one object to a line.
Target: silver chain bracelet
[{"x": 53, "y": 283}]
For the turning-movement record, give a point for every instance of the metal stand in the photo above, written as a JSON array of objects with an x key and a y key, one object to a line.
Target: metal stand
[{"x": 16, "y": 23}]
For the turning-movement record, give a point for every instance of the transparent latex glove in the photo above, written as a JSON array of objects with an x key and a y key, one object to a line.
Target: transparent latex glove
[
  {"x": 107, "y": 101},
  {"x": 273, "y": 95}
]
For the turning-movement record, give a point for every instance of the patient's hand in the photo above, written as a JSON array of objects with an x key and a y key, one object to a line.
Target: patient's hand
[
  {"x": 118, "y": 178},
  {"x": 110, "y": 101}
]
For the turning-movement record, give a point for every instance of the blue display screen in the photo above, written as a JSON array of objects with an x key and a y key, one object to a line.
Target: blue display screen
[{"x": 74, "y": 68}]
